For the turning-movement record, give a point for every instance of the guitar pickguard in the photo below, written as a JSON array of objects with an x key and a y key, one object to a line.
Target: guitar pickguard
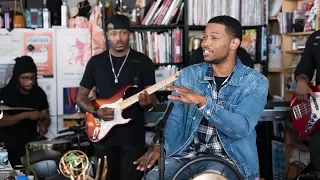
[
  {"x": 313, "y": 119},
  {"x": 103, "y": 127}
]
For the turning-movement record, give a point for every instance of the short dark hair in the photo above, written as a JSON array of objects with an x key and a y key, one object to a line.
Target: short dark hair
[{"x": 233, "y": 26}]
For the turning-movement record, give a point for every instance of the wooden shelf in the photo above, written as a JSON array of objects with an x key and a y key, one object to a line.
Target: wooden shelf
[
  {"x": 156, "y": 27},
  {"x": 166, "y": 64},
  {"x": 290, "y": 91},
  {"x": 201, "y": 28},
  {"x": 295, "y": 52},
  {"x": 299, "y": 33},
  {"x": 275, "y": 70},
  {"x": 273, "y": 18}
]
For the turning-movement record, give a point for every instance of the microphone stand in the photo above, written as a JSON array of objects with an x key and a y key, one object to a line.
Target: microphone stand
[
  {"x": 1, "y": 111},
  {"x": 160, "y": 136}
]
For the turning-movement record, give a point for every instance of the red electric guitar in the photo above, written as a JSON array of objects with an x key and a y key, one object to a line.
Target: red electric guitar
[
  {"x": 97, "y": 129},
  {"x": 306, "y": 115}
]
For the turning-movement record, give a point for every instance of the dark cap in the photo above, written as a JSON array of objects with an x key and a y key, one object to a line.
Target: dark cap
[{"x": 118, "y": 21}]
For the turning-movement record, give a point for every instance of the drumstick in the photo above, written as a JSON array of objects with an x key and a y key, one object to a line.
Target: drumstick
[
  {"x": 104, "y": 172},
  {"x": 98, "y": 170}
]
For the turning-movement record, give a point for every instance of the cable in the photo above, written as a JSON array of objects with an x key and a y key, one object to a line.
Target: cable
[{"x": 291, "y": 165}]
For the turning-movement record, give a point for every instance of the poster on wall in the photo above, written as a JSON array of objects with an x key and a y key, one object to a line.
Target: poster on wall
[
  {"x": 249, "y": 38},
  {"x": 39, "y": 45},
  {"x": 70, "y": 105},
  {"x": 71, "y": 63},
  {"x": 10, "y": 45},
  {"x": 71, "y": 53},
  {"x": 5, "y": 74}
]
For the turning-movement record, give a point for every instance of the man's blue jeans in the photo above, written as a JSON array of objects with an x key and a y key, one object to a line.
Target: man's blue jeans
[{"x": 172, "y": 166}]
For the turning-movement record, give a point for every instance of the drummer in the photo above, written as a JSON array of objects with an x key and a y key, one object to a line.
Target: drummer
[{"x": 17, "y": 128}]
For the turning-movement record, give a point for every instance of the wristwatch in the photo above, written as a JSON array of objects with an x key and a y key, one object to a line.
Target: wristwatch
[{"x": 95, "y": 113}]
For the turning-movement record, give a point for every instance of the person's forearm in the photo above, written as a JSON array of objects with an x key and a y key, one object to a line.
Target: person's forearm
[
  {"x": 9, "y": 120},
  {"x": 85, "y": 103},
  {"x": 46, "y": 121},
  {"x": 302, "y": 77}
]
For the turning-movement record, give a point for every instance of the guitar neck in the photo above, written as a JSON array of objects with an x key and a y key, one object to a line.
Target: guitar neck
[{"x": 150, "y": 90}]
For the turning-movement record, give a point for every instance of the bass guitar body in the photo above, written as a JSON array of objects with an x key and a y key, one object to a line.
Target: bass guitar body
[{"x": 306, "y": 114}]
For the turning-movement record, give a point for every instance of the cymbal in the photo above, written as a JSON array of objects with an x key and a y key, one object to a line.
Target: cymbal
[
  {"x": 78, "y": 115},
  {"x": 8, "y": 108}
]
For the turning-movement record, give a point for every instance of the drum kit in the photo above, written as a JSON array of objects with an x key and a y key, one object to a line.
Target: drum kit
[{"x": 60, "y": 143}]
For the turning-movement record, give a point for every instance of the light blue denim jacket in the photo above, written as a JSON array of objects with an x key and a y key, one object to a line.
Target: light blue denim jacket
[{"x": 235, "y": 114}]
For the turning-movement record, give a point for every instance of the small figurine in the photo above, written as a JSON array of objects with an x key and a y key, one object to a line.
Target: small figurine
[{"x": 308, "y": 23}]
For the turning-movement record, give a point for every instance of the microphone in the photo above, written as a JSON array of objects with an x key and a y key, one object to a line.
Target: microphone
[{"x": 160, "y": 127}]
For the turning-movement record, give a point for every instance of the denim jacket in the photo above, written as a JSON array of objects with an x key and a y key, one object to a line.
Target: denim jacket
[{"x": 235, "y": 114}]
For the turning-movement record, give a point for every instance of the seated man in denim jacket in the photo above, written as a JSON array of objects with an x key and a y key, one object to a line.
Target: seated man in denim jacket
[{"x": 217, "y": 105}]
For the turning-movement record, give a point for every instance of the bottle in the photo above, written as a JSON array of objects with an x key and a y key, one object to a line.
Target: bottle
[
  {"x": 64, "y": 13},
  {"x": 294, "y": 44},
  {"x": 1, "y": 18},
  {"x": 46, "y": 16},
  {"x": 3, "y": 156},
  {"x": 7, "y": 19},
  {"x": 118, "y": 7},
  {"x": 134, "y": 16}
]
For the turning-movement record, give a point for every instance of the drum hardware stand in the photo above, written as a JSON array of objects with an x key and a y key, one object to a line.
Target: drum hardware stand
[{"x": 76, "y": 129}]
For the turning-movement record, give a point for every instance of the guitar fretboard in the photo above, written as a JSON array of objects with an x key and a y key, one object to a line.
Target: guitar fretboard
[{"x": 133, "y": 99}]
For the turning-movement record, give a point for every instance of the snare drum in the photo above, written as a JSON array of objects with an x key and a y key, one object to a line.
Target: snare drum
[
  {"x": 60, "y": 145},
  {"x": 208, "y": 176}
]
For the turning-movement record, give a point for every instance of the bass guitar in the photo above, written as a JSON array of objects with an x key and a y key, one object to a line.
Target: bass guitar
[
  {"x": 97, "y": 129},
  {"x": 305, "y": 114}
]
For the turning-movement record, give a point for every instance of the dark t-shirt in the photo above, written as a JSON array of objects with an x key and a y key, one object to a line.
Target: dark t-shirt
[
  {"x": 310, "y": 60},
  {"x": 26, "y": 130},
  {"x": 137, "y": 70}
]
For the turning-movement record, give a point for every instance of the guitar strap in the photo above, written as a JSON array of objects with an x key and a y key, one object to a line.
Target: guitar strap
[{"x": 136, "y": 72}]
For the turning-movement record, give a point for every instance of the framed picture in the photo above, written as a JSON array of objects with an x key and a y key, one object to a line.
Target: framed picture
[{"x": 249, "y": 42}]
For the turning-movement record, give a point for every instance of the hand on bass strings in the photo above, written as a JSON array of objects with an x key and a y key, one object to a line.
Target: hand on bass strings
[
  {"x": 153, "y": 157},
  {"x": 187, "y": 96},
  {"x": 303, "y": 90},
  {"x": 106, "y": 114}
]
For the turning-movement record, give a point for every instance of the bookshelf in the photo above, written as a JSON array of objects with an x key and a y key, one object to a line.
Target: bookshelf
[
  {"x": 290, "y": 57},
  {"x": 187, "y": 28}
]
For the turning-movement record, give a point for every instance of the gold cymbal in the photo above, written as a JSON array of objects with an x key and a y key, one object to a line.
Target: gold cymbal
[
  {"x": 78, "y": 115},
  {"x": 8, "y": 108}
]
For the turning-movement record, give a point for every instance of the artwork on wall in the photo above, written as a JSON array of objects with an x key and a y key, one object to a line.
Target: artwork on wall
[
  {"x": 69, "y": 100},
  {"x": 5, "y": 74},
  {"x": 71, "y": 63},
  {"x": 39, "y": 45},
  {"x": 249, "y": 38},
  {"x": 71, "y": 59}
]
